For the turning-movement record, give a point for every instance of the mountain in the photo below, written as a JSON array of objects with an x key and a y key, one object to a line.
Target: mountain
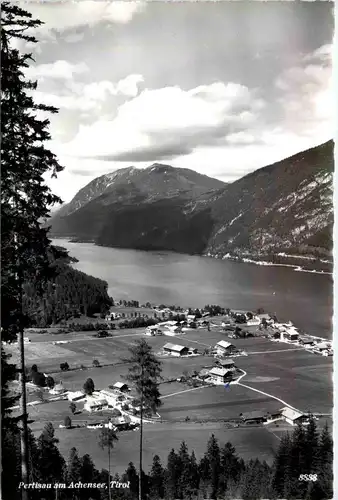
[
  {"x": 89, "y": 213},
  {"x": 282, "y": 208}
]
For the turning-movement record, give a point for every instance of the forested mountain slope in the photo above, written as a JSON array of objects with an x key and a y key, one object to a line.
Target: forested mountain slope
[
  {"x": 69, "y": 294},
  {"x": 284, "y": 207}
]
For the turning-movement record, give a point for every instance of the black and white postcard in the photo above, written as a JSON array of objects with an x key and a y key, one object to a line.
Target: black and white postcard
[{"x": 167, "y": 250}]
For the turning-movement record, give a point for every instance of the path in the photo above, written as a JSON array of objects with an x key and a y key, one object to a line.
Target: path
[
  {"x": 278, "y": 350},
  {"x": 236, "y": 382},
  {"x": 187, "y": 390}
]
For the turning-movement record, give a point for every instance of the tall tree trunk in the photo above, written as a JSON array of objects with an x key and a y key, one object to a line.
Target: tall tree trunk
[
  {"x": 23, "y": 407},
  {"x": 109, "y": 491},
  {"x": 141, "y": 443},
  {"x": 23, "y": 401}
]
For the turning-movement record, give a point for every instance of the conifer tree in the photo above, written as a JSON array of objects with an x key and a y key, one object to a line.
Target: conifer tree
[
  {"x": 144, "y": 373},
  {"x": 204, "y": 473},
  {"x": 194, "y": 475},
  {"x": 107, "y": 438},
  {"x": 298, "y": 462},
  {"x": 312, "y": 447},
  {"x": 184, "y": 481},
  {"x": 73, "y": 472},
  {"x": 281, "y": 468},
  {"x": 25, "y": 199},
  {"x": 132, "y": 476},
  {"x": 51, "y": 463},
  {"x": 156, "y": 479},
  {"x": 213, "y": 454},
  {"x": 172, "y": 475},
  {"x": 323, "y": 487},
  {"x": 230, "y": 469}
]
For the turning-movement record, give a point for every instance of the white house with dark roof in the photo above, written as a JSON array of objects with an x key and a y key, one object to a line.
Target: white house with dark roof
[
  {"x": 175, "y": 349},
  {"x": 95, "y": 404},
  {"x": 291, "y": 416},
  {"x": 229, "y": 364},
  {"x": 220, "y": 375},
  {"x": 121, "y": 386},
  {"x": 224, "y": 348}
]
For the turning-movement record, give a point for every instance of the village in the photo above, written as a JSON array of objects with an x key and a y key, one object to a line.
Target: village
[{"x": 220, "y": 367}]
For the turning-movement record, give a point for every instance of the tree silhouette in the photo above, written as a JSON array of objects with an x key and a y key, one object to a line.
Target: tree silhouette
[
  {"x": 88, "y": 386},
  {"x": 107, "y": 438},
  {"x": 144, "y": 373}
]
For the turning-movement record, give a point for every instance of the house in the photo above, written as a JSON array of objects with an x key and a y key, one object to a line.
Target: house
[
  {"x": 265, "y": 317},
  {"x": 75, "y": 396},
  {"x": 291, "y": 334},
  {"x": 153, "y": 330},
  {"x": 229, "y": 364},
  {"x": 292, "y": 417},
  {"x": 253, "y": 321},
  {"x": 224, "y": 348},
  {"x": 58, "y": 389},
  {"x": 175, "y": 350},
  {"x": 112, "y": 315},
  {"x": 220, "y": 375},
  {"x": 256, "y": 417},
  {"x": 191, "y": 317},
  {"x": 121, "y": 386},
  {"x": 322, "y": 346},
  {"x": 305, "y": 341},
  {"x": 175, "y": 329},
  {"x": 109, "y": 395},
  {"x": 95, "y": 404}
]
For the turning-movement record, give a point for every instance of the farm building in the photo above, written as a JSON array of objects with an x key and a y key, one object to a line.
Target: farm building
[
  {"x": 175, "y": 350},
  {"x": 109, "y": 395},
  {"x": 175, "y": 329},
  {"x": 220, "y": 375},
  {"x": 58, "y": 389},
  {"x": 121, "y": 386},
  {"x": 224, "y": 348},
  {"x": 75, "y": 396},
  {"x": 253, "y": 322},
  {"x": 191, "y": 317},
  {"x": 305, "y": 341},
  {"x": 292, "y": 417},
  {"x": 322, "y": 346},
  {"x": 291, "y": 334},
  {"x": 264, "y": 316},
  {"x": 229, "y": 364},
  {"x": 153, "y": 330},
  {"x": 95, "y": 404},
  {"x": 254, "y": 417}
]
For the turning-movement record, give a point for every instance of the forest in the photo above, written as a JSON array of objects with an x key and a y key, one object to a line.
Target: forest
[
  {"x": 302, "y": 469},
  {"x": 68, "y": 293}
]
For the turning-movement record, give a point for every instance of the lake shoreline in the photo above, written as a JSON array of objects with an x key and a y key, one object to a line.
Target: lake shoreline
[{"x": 297, "y": 265}]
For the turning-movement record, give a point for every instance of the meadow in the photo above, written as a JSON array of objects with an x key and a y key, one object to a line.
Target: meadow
[
  {"x": 294, "y": 375},
  {"x": 161, "y": 438}
]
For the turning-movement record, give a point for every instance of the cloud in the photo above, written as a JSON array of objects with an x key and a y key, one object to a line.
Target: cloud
[
  {"x": 65, "y": 15},
  {"x": 306, "y": 96},
  {"x": 163, "y": 123},
  {"x": 59, "y": 69}
]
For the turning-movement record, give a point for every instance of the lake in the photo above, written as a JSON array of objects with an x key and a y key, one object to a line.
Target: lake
[{"x": 170, "y": 278}]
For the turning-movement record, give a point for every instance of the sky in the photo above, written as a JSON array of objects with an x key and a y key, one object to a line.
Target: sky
[{"x": 220, "y": 87}]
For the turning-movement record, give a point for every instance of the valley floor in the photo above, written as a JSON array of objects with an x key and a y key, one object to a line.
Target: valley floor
[{"x": 274, "y": 375}]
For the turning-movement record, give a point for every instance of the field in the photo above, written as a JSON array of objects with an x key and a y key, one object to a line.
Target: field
[
  {"x": 207, "y": 403},
  {"x": 160, "y": 439},
  {"x": 279, "y": 371}
]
